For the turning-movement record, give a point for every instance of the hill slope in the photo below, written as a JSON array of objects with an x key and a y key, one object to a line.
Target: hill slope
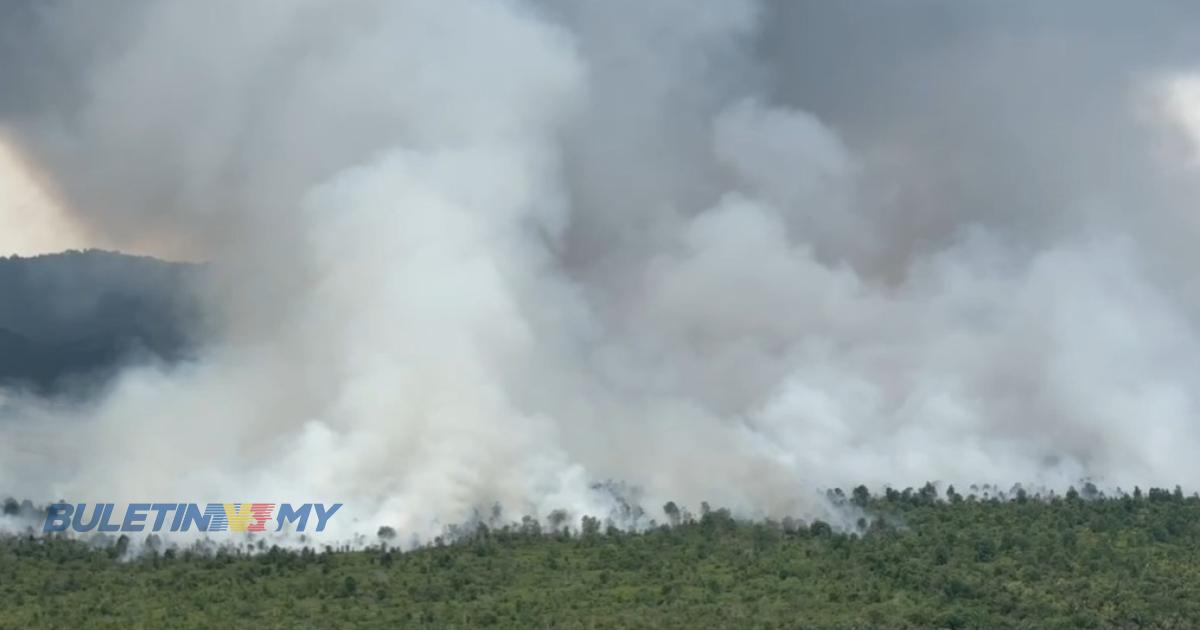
[{"x": 79, "y": 314}]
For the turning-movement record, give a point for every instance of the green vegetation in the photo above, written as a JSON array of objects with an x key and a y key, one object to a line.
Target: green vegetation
[{"x": 918, "y": 560}]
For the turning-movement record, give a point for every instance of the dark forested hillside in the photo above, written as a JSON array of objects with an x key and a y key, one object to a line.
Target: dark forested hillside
[
  {"x": 78, "y": 314},
  {"x": 915, "y": 560}
]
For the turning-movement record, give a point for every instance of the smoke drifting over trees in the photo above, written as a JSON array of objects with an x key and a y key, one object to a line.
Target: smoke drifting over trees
[{"x": 467, "y": 252}]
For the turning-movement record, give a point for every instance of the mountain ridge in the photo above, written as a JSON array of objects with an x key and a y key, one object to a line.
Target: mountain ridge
[{"x": 78, "y": 315}]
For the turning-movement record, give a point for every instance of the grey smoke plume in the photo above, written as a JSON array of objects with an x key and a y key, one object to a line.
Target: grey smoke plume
[{"x": 495, "y": 251}]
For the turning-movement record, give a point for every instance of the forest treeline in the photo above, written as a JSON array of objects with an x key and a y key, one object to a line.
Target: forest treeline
[{"x": 912, "y": 559}]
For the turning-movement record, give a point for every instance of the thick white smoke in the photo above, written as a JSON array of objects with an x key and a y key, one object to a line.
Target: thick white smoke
[{"x": 475, "y": 252}]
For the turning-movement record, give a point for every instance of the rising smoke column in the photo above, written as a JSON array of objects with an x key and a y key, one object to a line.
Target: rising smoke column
[{"x": 476, "y": 252}]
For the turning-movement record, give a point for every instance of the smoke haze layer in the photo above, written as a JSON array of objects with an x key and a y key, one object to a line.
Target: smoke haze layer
[{"x": 474, "y": 252}]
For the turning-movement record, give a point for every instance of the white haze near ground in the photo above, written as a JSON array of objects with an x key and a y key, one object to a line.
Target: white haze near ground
[{"x": 478, "y": 252}]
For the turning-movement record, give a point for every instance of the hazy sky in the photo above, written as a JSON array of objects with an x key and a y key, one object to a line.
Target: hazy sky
[{"x": 31, "y": 220}]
